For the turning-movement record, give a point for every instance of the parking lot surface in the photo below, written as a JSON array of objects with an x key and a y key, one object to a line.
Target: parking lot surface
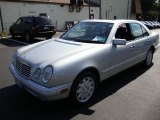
[{"x": 131, "y": 95}]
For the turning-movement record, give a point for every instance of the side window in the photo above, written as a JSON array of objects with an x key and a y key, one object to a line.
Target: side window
[
  {"x": 121, "y": 32},
  {"x": 124, "y": 32},
  {"x": 136, "y": 31},
  {"x": 145, "y": 33},
  {"x": 18, "y": 21},
  {"x": 27, "y": 21}
]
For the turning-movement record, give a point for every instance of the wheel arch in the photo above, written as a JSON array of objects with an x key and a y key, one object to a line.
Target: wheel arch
[
  {"x": 152, "y": 48},
  {"x": 92, "y": 70},
  {"x": 88, "y": 69}
]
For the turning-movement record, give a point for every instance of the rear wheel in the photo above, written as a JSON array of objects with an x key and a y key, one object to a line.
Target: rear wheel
[
  {"x": 149, "y": 58},
  {"x": 27, "y": 37},
  {"x": 49, "y": 37},
  {"x": 83, "y": 88}
]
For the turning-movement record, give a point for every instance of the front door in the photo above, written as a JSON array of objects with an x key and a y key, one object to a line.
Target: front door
[
  {"x": 122, "y": 56},
  {"x": 17, "y": 26}
]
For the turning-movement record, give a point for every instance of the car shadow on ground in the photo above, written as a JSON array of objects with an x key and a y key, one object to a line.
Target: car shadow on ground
[
  {"x": 8, "y": 43},
  {"x": 17, "y": 104},
  {"x": 35, "y": 40},
  {"x": 18, "y": 41}
]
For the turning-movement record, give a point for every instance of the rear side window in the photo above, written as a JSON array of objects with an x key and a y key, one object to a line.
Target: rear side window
[
  {"x": 27, "y": 20},
  {"x": 145, "y": 33},
  {"x": 42, "y": 21},
  {"x": 136, "y": 30}
]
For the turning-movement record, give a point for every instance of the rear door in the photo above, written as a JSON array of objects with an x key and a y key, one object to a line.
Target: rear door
[
  {"x": 26, "y": 25},
  {"x": 141, "y": 38}
]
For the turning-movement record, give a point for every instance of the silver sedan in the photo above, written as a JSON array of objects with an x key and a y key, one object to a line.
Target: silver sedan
[{"x": 74, "y": 64}]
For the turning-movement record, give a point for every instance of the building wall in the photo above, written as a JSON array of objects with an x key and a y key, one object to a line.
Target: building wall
[
  {"x": 11, "y": 11},
  {"x": 111, "y": 8}
]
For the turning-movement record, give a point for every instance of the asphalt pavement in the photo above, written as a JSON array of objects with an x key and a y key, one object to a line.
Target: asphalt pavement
[{"x": 131, "y": 95}]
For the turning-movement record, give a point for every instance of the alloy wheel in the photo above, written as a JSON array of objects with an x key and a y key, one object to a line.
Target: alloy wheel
[{"x": 85, "y": 89}]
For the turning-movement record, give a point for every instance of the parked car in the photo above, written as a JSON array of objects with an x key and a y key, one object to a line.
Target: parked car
[
  {"x": 90, "y": 52},
  {"x": 33, "y": 26},
  {"x": 149, "y": 26},
  {"x": 154, "y": 24},
  {"x": 157, "y": 23}
]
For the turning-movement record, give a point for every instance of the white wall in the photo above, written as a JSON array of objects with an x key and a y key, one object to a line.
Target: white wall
[
  {"x": 116, "y": 8},
  {"x": 11, "y": 11}
]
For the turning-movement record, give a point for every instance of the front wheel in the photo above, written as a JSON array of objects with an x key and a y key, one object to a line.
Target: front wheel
[
  {"x": 12, "y": 34},
  {"x": 83, "y": 88},
  {"x": 149, "y": 58}
]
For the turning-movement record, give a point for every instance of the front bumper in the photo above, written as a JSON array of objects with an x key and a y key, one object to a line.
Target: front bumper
[{"x": 43, "y": 93}]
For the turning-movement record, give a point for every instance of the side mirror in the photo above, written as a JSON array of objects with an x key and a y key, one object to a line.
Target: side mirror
[{"x": 119, "y": 42}]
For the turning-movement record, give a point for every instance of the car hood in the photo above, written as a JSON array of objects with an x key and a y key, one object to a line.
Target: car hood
[{"x": 52, "y": 50}]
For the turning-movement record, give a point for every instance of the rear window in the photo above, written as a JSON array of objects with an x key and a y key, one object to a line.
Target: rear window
[{"x": 43, "y": 21}]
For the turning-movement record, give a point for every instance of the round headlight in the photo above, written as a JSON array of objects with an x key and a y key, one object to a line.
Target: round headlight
[
  {"x": 47, "y": 74},
  {"x": 37, "y": 73}
]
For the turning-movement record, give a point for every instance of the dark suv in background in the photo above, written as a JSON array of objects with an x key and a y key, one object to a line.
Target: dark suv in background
[{"x": 30, "y": 27}]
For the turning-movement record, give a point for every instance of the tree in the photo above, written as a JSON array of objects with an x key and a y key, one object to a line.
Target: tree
[
  {"x": 147, "y": 5},
  {"x": 150, "y": 5}
]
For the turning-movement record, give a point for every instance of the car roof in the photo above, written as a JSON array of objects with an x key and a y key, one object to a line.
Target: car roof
[
  {"x": 111, "y": 21},
  {"x": 34, "y": 17}
]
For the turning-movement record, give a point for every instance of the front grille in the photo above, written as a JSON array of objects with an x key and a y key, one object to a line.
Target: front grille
[{"x": 23, "y": 69}]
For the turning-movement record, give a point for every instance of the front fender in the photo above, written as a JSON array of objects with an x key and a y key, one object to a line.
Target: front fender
[{"x": 68, "y": 72}]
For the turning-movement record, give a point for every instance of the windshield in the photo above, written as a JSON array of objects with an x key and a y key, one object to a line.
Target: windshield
[
  {"x": 43, "y": 21},
  {"x": 89, "y": 32}
]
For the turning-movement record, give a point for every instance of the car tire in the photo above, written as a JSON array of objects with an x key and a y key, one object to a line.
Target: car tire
[
  {"x": 83, "y": 88},
  {"x": 149, "y": 58},
  {"x": 27, "y": 37},
  {"x": 12, "y": 34},
  {"x": 49, "y": 37}
]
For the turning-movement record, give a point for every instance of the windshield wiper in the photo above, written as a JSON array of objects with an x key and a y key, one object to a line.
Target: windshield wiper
[
  {"x": 89, "y": 41},
  {"x": 79, "y": 40}
]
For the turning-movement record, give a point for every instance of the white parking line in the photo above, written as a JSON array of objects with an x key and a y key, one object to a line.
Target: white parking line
[{"x": 18, "y": 41}]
